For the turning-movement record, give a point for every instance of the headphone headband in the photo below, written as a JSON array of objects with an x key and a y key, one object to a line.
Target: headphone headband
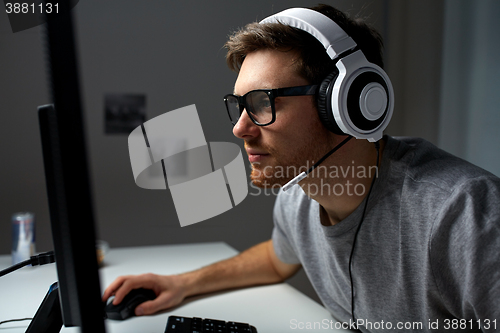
[{"x": 334, "y": 39}]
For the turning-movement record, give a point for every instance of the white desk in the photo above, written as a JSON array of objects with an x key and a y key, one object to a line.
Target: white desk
[{"x": 271, "y": 309}]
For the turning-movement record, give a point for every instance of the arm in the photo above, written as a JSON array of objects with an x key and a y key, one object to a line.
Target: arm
[{"x": 256, "y": 266}]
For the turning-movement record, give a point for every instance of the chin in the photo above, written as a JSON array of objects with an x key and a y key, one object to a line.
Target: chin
[{"x": 261, "y": 180}]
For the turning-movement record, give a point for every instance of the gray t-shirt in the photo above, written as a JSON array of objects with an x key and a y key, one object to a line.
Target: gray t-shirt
[{"x": 427, "y": 251}]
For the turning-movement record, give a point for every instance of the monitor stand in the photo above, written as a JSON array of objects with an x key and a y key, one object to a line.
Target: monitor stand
[{"x": 48, "y": 318}]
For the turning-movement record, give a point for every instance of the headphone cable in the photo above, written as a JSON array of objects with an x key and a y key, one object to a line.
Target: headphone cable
[{"x": 377, "y": 147}]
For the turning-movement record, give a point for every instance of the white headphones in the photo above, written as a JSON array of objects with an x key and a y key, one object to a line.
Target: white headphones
[{"x": 357, "y": 98}]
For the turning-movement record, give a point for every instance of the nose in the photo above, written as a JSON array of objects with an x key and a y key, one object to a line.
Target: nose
[{"x": 245, "y": 128}]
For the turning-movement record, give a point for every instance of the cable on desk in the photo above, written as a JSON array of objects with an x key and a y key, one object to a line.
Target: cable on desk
[
  {"x": 40, "y": 259},
  {"x": 12, "y": 320}
]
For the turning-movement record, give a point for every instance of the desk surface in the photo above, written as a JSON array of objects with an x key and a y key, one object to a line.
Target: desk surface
[{"x": 271, "y": 309}]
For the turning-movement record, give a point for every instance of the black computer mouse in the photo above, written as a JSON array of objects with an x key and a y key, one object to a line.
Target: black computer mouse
[{"x": 127, "y": 306}]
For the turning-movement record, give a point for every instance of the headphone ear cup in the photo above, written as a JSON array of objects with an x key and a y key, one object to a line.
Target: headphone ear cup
[{"x": 324, "y": 104}]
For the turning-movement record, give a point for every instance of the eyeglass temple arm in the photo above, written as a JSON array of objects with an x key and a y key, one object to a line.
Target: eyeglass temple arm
[{"x": 296, "y": 91}]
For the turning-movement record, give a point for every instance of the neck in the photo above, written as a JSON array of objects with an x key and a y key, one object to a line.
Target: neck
[{"x": 342, "y": 182}]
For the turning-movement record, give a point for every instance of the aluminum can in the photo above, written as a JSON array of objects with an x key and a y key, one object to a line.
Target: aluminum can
[{"x": 23, "y": 236}]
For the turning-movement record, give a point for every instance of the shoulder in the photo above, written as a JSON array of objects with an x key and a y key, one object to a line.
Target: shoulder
[
  {"x": 446, "y": 190},
  {"x": 454, "y": 190},
  {"x": 424, "y": 163}
]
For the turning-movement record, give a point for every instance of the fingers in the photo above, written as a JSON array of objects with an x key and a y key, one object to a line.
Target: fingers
[
  {"x": 124, "y": 284},
  {"x": 148, "y": 308},
  {"x": 161, "y": 302},
  {"x": 130, "y": 283},
  {"x": 111, "y": 289}
]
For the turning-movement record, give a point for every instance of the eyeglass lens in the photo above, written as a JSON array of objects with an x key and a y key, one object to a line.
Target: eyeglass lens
[{"x": 256, "y": 103}]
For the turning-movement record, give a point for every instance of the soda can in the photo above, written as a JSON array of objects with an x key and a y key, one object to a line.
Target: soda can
[{"x": 23, "y": 236}]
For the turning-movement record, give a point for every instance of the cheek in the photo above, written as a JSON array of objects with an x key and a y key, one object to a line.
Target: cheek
[
  {"x": 301, "y": 136},
  {"x": 305, "y": 125}
]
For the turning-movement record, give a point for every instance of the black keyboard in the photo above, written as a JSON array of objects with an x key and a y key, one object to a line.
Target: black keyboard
[{"x": 197, "y": 325}]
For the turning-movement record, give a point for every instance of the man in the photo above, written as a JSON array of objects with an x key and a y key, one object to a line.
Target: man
[{"x": 404, "y": 233}]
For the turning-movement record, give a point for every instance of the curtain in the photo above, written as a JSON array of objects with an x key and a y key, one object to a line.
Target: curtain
[{"x": 469, "y": 119}]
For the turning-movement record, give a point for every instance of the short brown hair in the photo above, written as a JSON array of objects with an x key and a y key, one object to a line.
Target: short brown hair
[{"x": 314, "y": 64}]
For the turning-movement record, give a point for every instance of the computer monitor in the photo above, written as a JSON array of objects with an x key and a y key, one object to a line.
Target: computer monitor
[{"x": 67, "y": 180}]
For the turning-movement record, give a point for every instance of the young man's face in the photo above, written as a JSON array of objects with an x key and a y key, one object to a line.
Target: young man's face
[{"x": 297, "y": 139}]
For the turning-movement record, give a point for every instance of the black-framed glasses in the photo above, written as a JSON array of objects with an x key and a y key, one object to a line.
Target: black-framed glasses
[{"x": 259, "y": 103}]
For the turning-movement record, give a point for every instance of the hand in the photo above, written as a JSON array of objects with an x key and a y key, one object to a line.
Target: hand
[{"x": 169, "y": 290}]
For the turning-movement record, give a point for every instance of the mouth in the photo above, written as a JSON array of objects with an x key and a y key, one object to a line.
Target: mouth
[{"x": 256, "y": 155}]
